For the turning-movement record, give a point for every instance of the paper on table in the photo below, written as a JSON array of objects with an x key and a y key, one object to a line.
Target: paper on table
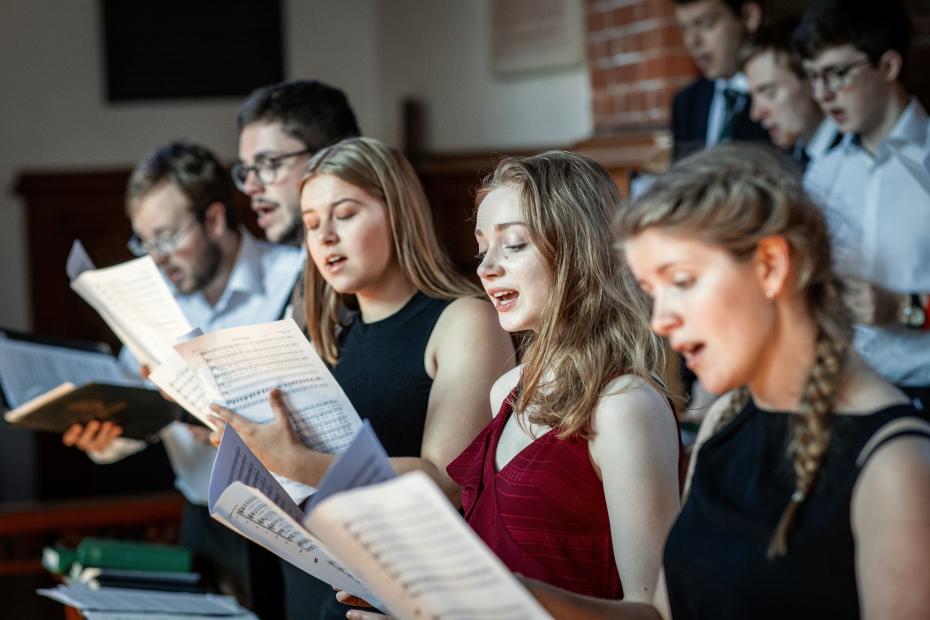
[
  {"x": 241, "y": 365},
  {"x": 246, "y": 498},
  {"x": 128, "y": 600},
  {"x": 29, "y": 369},
  {"x": 135, "y": 302},
  {"x": 417, "y": 554}
]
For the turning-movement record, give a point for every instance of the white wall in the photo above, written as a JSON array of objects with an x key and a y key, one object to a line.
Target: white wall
[{"x": 438, "y": 51}]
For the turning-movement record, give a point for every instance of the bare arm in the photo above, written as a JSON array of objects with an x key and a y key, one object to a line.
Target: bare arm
[
  {"x": 636, "y": 450},
  {"x": 565, "y": 605},
  {"x": 891, "y": 524}
]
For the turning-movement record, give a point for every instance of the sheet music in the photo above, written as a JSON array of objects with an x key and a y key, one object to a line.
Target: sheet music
[
  {"x": 236, "y": 463},
  {"x": 418, "y": 555},
  {"x": 124, "y": 615},
  {"x": 363, "y": 463},
  {"x": 29, "y": 369},
  {"x": 135, "y": 302},
  {"x": 129, "y": 600},
  {"x": 241, "y": 365},
  {"x": 179, "y": 381},
  {"x": 245, "y": 497}
]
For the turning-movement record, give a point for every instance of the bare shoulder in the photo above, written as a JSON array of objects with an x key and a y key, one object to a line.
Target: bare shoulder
[
  {"x": 503, "y": 386},
  {"x": 468, "y": 314},
  {"x": 899, "y": 466},
  {"x": 468, "y": 332},
  {"x": 631, "y": 409}
]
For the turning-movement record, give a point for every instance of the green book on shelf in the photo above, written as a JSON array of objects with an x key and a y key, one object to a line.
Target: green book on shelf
[{"x": 104, "y": 553}]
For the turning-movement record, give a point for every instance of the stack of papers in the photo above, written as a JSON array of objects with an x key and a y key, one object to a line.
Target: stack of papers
[{"x": 123, "y": 604}]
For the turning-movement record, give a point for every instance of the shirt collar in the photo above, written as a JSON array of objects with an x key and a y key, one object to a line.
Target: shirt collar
[
  {"x": 737, "y": 82},
  {"x": 910, "y": 129},
  {"x": 822, "y": 140},
  {"x": 246, "y": 276}
]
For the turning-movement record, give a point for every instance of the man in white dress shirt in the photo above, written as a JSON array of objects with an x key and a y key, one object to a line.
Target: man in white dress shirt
[
  {"x": 180, "y": 203},
  {"x": 874, "y": 186}
]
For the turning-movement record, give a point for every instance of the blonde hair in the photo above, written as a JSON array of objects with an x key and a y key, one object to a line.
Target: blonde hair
[
  {"x": 595, "y": 324},
  {"x": 384, "y": 173},
  {"x": 732, "y": 197}
]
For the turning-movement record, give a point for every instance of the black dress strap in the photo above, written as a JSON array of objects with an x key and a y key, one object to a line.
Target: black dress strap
[{"x": 903, "y": 427}]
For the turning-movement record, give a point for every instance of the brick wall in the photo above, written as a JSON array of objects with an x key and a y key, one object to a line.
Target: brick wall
[{"x": 637, "y": 63}]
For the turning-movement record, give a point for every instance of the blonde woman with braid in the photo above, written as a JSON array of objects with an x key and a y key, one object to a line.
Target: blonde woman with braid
[{"x": 809, "y": 493}]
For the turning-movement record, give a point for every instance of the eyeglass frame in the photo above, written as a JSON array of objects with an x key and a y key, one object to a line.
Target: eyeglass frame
[
  {"x": 260, "y": 167},
  {"x": 838, "y": 75},
  {"x": 164, "y": 247}
]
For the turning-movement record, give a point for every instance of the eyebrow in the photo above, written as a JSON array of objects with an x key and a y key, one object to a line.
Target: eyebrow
[
  {"x": 335, "y": 204},
  {"x": 501, "y": 226}
]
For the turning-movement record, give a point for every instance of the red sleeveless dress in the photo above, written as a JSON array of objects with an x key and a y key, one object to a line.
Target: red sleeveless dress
[{"x": 544, "y": 513}]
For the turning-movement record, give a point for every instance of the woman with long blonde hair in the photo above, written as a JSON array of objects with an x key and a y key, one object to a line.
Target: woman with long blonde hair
[
  {"x": 409, "y": 340},
  {"x": 575, "y": 481},
  {"x": 809, "y": 490}
]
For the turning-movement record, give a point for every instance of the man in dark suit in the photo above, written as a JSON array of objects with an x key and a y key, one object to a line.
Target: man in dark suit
[{"x": 715, "y": 108}]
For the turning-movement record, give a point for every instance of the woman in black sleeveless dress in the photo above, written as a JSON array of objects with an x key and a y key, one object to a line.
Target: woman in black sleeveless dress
[
  {"x": 410, "y": 341},
  {"x": 809, "y": 492}
]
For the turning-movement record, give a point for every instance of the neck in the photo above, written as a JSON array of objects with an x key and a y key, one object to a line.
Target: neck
[
  {"x": 389, "y": 296},
  {"x": 886, "y": 119},
  {"x": 229, "y": 250},
  {"x": 781, "y": 375},
  {"x": 816, "y": 117}
]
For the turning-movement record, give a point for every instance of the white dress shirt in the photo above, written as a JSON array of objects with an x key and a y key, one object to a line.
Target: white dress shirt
[
  {"x": 878, "y": 210},
  {"x": 258, "y": 290},
  {"x": 716, "y": 116}
]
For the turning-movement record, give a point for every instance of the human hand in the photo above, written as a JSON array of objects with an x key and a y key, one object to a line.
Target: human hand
[
  {"x": 274, "y": 443},
  {"x": 357, "y": 614},
  {"x": 144, "y": 372},
  {"x": 96, "y": 436}
]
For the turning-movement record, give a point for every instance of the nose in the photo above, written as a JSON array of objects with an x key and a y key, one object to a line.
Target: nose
[
  {"x": 819, "y": 91},
  {"x": 326, "y": 233},
  {"x": 489, "y": 267},
  {"x": 664, "y": 319},
  {"x": 756, "y": 110}
]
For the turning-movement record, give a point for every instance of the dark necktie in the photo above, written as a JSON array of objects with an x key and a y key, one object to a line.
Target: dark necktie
[{"x": 733, "y": 103}]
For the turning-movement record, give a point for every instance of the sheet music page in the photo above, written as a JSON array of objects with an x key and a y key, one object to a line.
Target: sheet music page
[
  {"x": 418, "y": 555},
  {"x": 135, "y": 302},
  {"x": 179, "y": 381},
  {"x": 236, "y": 463},
  {"x": 246, "y": 497},
  {"x": 29, "y": 369},
  {"x": 241, "y": 365},
  {"x": 140, "y": 615},
  {"x": 363, "y": 463}
]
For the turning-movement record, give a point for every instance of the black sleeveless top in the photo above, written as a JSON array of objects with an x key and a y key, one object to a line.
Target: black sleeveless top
[
  {"x": 715, "y": 556},
  {"x": 380, "y": 368}
]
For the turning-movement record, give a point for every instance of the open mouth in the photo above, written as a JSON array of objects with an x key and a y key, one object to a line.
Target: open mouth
[
  {"x": 334, "y": 262},
  {"x": 691, "y": 352},
  {"x": 503, "y": 298},
  {"x": 264, "y": 211}
]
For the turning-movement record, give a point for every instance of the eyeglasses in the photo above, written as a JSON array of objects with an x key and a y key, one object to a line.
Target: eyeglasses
[
  {"x": 834, "y": 78},
  {"x": 163, "y": 245},
  {"x": 265, "y": 168}
]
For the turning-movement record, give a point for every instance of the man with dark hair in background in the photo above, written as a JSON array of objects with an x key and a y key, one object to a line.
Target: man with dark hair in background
[
  {"x": 781, "y": 96},
  {"x": 180, "y": 203},
  {"x": 280, "y": 127},
  {"x": 875, "y": 186},
  {"x": 715, "y": 108}
]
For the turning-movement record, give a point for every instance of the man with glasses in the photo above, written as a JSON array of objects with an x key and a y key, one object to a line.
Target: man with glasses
[
  {"x": 715, "y": 108},
  {"x": 180, "y": 204},
  {"x": 781, "y": 97},
  {"x": 280, "y": 127},
  {"x": 875, "y": 186}
]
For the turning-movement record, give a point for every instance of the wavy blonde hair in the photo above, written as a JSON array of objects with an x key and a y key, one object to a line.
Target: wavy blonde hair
[
  {"x": 384, "y": 173},
  {"x": 732, "y": 197},
  {"x": 595, "y": 325}
]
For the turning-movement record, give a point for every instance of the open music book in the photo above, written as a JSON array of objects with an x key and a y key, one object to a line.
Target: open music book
[
  {"x": 50, "y": 386},
  {"x": 395, "y": 542},
  {"x": 239, "y": 366},
  {"x": 135, "y": 302}
]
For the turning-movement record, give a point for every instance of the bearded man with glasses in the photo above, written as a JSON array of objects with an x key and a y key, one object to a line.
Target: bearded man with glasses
[
  {"x": 874, "y": 186},
  {"x": 180, "y": 204}
]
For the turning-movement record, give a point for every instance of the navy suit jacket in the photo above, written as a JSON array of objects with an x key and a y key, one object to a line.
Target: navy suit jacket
[{"x": 690, "y": 110}]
